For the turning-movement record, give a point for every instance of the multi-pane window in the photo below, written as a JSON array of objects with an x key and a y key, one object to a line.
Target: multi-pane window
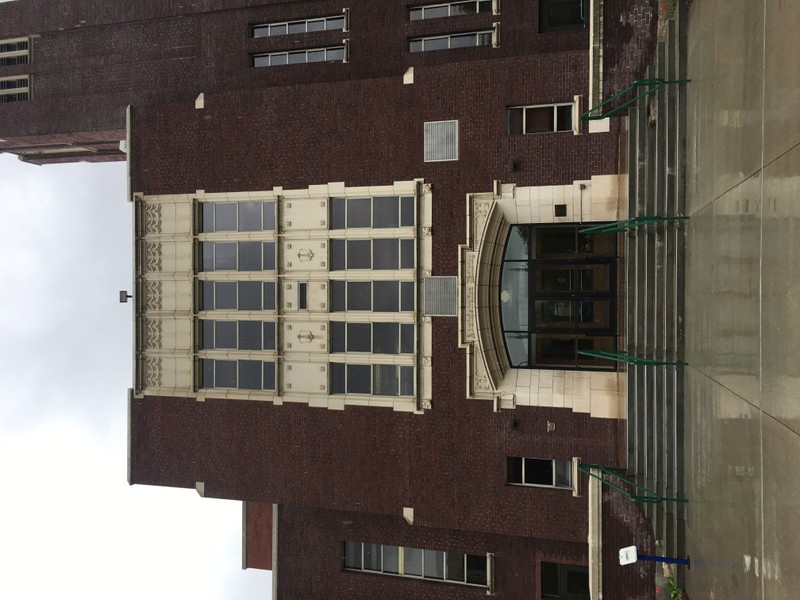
[
  {"x": 378, "y": 212},
  {"x": 374, "y": 380},
  {"x": 301, "y": 26},
  {"x": 14, "y": 89},
  {"x": 564, "y": 582},
  {"x": 539, "y": 471},
  {"x": 238, "y": 374},
  {"x": 374, "y": 296},
  {"x": 540, "y": 119},
  {"x": 13, "y": 83},
  {"x": 447, "y": 42},
  {"x": 238, "y": 216},
  {"x": 14, "y": 52},
  {"x": 449, "y": 9},
  {"x": 238, "y": 335},
  {"x": 437, "y": 565},
  {"x": 375, "y": 338},
  {"x": 238, "y": 295},
  {"x": 297, "y": 57},
  {"x": 377, "y": 254},
  {"x": 563, "y": 14},
  {"x": 238, "y": 256}
]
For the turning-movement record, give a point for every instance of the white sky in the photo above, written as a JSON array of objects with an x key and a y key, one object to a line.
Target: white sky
[{"x": 70, "y": 525}]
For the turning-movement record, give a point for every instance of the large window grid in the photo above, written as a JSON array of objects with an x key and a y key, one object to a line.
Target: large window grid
[
  {"x": 542, "y": 472},
  {"x": 436, "y": 565},
  {"x": 449, "y": 42},
  {"x": 238, "y": 216},
  {"x": 371, "y": 380},
  {"x": 237, "y": 335},
  {"x": 379, "y": 212},
  {"x": 449, "y": 9},
  {"x": 237, "y": 295},
  {"x": 544, "y": 118},
  {"x": 237, "y": 374},
  {"x": 298, "y": 57},
  {"x": 376, "y": 254},
  {"x": 373, "y": 296},
  {"x": 238, "y": 256},
  {"x": 14, "y": 89},
  {"x": 337, "y": 22},
  {"x": 14, "y": 52},
  {"x": 374, "y": 338}
]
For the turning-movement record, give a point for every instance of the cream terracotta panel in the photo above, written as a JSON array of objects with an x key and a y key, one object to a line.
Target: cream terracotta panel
[
  {"x": 304, "y": 256},
  {"x": 305, "y": 336},
  {"x": 305, "y": 377},
  {"x": 304, "y": 214}
]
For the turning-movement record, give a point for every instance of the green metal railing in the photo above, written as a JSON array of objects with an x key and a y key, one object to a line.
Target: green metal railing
[
  {"x": 630, "y": 224},
  {"x": 628, "y": 359},
  {"x": 649, "y": 496},
  {"x": 656, "y": 84}
]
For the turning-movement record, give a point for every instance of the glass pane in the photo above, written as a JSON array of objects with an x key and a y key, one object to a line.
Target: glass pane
[
  {"x": 338, "y": 296},
  {"x": 540, "y": 119},
  {"x": 337, "y": 255},
  {"x": 384, "y": 295},
  {"x": 415, "y": 14},
  {"x": 485, "y": 6},
  {"x": 391, "y": 559},
  {"x": 337, "y": 213},
  {"x": 476, "y": 569},
  {"x": 249, "y": 256},
  {"x": 463, "y": 41},
  {"x": 554, "y": 351},
  {"x": 334, "y": 54},
  {"x": 514, "y": 296},
  {"x": 454, "y": 563},
  {"x": 406, "y": 339},
  {"x": 250, "y": 216},
  {"x": 337, "y": 378},
  {"x": 407, "y": 254},
  {"x": 555, "y": 242},
  {"x": 407, "y": 296},
  {"x": 249, "y": 295},
  {"x": 316, "y": 25},
  {"x": 277, "y": 29},
  {"x": 316, "y": 56},
  {"x": 517, "y": 244},
  {"x": 407, "y": 210},
  {"x": 517, "y": 344},
  {"x": 484, "y": 39},
  {"x": 359, "y": 337},
  {"x": 359, "y": 212},
  {"x": 386, "y": 211},
  {"x": 554, "y": 314},
  {"x": 434, "y": 564},
  {"x": 208, "y": 335},
  {"x": 596, "y": 343},
  {"x": 260, "y": 31},
  {"x": 554, "y": 279},
  {"x": 338, "y": 333},
  {"x": 412, "y": 562},
  {"x": 385, "y": 254},
  {"x": 563, "y": 473},
  {"x": 296, "y": 58},
  {"x": 269, "y": 335},
  {"x": 224, "y": 373},
  {"x": 564, "y": 118},
  {"x": 225, "y": 216},
  {"x": 594, "y": 314},
  {"x": 269, "y": 216},
  {"x": 352, "y": 555},
  {"x": 407, "y": 383},
  {"x": 595, "y": 278},
  {"x": 250, "y": 374},
  {"x": 269, "y": 256},
  {"x": 372, "y": 557},
  {"x": 226, "y": 295},
  {"x": 208, "y": 216},
  {"x": 207, "y": 295},
  {"x": 359, "y": 254},
  {"x": 269, "y": 375},
  {"x": 225, "y": 334},
  {"x": 207, "y": 252},
  {"x": 297, "y": 27},
  {"x": 577, "y": 581},
  {"x": 278, "y": 59},
  {"x": 224, "y": 256},
  {"x": 335, "y": 23},
  {"x": 564, "y": 14},
  {"x": 550, "y": 580},
  {"x": 250, "y": 335},
  {"x": 302, "y": 296},
  {"x": 441, "y": 43},
  {"x": 538, "y": 471},
  {"x": 598, "y": 244},
  {"x": 269, "y": 295},
  {"x": 463, "y": 8},
  {"x": 385, "y": 381},
  {"x": 432, "y": 12},
  {"x": 415, "y": 46},
  {"x": 515, "y": 120},
  {"x": 385, "y": 338},
  {"x": 208, "y": 373},
  {"x": 514, "y": 469},
  {"x": 359, "y": 295},
  {"x": 359, "y": 379}
]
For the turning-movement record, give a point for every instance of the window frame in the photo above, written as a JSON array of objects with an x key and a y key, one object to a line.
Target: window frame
[
  {"x": 544, "y": 21},
  {"x": 259, "y": 27},
  {"x": 344, "y": 388},
  {"x": 403, "y": 287},
  {"x": 374, "y": 335},
  {"x": 305, "y": 52},
  {"x": 554, "y": 463},
  {"x": 423, "y": 8},
  {"x": 212, "y": 257},
  {"x": 206, "y": 362},
  {"x": 417, "y": 44},
  {"x": 341, "y": 222},
  {"x": 268, "y": 342},
  {"x": 352, "y": 250},
  {"x": 524, "y": 108},
  {"x": 213, "y": 283},
  {"x": 19, "y": 92},
  {"x": 208, "y": 216}
]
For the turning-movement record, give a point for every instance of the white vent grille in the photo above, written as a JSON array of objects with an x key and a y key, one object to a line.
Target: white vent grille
[
  {"x": 441, "y": 141},
  {"x": 441, "y": 296}
]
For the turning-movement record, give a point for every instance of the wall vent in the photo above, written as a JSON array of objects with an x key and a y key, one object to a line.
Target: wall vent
[
  {"x": 441, "y": 296},
  {"x": 441, "y": 141}
]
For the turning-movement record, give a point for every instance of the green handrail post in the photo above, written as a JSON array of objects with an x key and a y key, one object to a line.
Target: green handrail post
[
  {"x": 656, "y": 83},
  {"x": 628, "y": 359},
  {"x": 630, "y": 224},
  {"x": 648, "y": 497}
]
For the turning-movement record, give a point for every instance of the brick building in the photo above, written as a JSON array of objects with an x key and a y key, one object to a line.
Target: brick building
[{"x": 359, "y": 287}]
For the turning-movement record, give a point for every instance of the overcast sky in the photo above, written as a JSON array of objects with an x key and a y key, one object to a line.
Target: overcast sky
[{"x": 70, "y": 525}]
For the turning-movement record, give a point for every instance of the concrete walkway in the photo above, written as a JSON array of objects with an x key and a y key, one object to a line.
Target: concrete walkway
[{"x": 742, "y": 388}]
